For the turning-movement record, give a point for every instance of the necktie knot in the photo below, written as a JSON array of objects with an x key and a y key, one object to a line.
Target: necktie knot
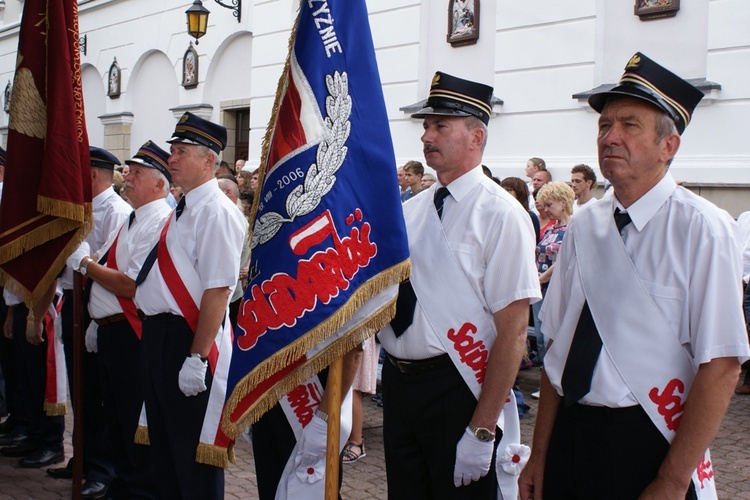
[
  {"x": 622, "y": 219},
  {"x": 440, "y": 195}
]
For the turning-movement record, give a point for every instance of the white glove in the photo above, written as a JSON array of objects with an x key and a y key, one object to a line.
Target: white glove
[
  {"x": 92, "y": 333},
  {"x": 473, "y": 458},
  {"x": 74, "y": 261},
  {"x": 193, "y": 376},
  {"x": 310, "y": 460}
]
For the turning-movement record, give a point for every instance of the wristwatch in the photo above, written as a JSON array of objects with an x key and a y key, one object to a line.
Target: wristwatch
[
  {"x": 482, "y": 433},
  {"x": 85, "y": 266}
]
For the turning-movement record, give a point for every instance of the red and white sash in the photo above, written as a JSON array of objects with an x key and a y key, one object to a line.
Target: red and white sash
[
  {"x": 653, "y": 363},
  {"x": 183, "y": 282},
  {"x": 465, "y": 329},
  {"x": 56, "y": 389},
  {"x": 127, "y": 304}
]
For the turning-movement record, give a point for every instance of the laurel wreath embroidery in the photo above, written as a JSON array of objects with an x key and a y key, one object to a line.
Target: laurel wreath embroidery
[{"x": 321, "y": 176}]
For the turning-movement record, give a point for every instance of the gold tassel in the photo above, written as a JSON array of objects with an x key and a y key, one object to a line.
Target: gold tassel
[
  {"x": 294, "y": 351},
  {"x": 55, "y": 409},
  {"x": 210, "y": 454},
  {"x": 141, "y": 436}
]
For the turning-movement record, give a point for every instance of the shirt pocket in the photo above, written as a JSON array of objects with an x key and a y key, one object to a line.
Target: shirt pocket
[{"x": 669, "y": 300}]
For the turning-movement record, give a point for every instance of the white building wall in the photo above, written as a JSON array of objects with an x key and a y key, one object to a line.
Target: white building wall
[{"x": 536, "y": 54}]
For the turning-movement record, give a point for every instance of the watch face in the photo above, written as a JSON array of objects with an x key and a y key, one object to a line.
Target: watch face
[{"x": 484, "y": 435}]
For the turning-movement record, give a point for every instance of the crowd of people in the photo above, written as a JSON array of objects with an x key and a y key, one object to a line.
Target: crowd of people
[{"x": 640, "y": 357}]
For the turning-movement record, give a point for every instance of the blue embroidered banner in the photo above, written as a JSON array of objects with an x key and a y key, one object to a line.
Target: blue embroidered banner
[{"x": 328, "y": 235}]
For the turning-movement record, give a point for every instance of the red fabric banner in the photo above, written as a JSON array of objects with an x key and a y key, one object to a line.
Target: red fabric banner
[{"x": 46, "y": 208}]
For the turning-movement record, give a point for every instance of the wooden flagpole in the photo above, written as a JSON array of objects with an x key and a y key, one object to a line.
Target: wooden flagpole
[
  {"x": 333, "y": 396},
  {"x": 77, "y": 385}
]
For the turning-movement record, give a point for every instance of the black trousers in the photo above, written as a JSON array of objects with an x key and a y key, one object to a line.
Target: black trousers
[
  {"x": 175, "y": 420},
  {"x": 9, "y": 366},
  {"x": 122, "y": 392},
  {"x": 597, "y": 452},
  {"x": 424, "y": 417},
  {"x": 46, "y": 431}
]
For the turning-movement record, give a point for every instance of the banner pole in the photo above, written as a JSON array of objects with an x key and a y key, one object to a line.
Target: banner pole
[
  {"x": 333, "y": 396},
  {"x": 77, "y": 385}
]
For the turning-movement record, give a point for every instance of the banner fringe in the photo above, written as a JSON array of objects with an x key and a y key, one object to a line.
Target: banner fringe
[
  {"x": 141, "y": 436},
  {"x": 297, "y": 349},
  {"x": 62, "y": 209},
  {"x": 55, "y": 409},
  {"x": 30, "y": 297}
]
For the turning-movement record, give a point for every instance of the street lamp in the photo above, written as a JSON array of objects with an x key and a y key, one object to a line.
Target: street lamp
[
  {"x": 197, "y": 20},
  {"x": 197, "y": 16}
]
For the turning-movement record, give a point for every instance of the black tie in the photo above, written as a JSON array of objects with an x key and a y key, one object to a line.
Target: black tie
[
  {"x": 407, "y": 299},
  {"x": 586, "y": 345},
  {"x": 132, "y": 218},
  {"x": 179, "y": 208},
  {"x": 440, "y": 195}
]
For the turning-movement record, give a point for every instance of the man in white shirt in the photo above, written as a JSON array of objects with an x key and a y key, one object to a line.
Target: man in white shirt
[
  {"x": 582, "y": 180},
  {"x": 647, "y": 331},
  {"x": 110, "y": 211},
  {"x": 455, "y": 345},
  {"x": 115, "y": 332},
  {"x": 183, "y": 293}
]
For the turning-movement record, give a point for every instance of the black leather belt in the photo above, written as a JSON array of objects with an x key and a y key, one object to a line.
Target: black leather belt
[
  {"x": 414, "y": 366},
  {"x": 143, "y": 316},
  {"x": 110, "y": 319}
]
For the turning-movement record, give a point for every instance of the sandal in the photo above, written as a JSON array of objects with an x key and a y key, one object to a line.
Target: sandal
[{"x": 353, "y": 452}]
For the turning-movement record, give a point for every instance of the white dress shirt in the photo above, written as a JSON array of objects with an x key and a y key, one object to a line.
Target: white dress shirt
[
  {"x": 134, "y": 243},
  {"x": 210, "y": 231},
  {"x": 492, "y": 240},
  {"x": 684, "y": 250}
]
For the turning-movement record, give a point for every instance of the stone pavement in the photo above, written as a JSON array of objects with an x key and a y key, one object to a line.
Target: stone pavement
[{"x": 365, "y": 479}]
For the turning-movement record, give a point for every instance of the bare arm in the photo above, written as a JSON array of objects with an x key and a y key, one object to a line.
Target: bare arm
[
  {"x": 531, "y": 481},
  {"x": 705, "y": 407},
  {"x": 351, "y": 364},
  {"x": 112, "y": 280},
  {"x": 503, "y": 362},
  {"x": 212, "y": 310}
]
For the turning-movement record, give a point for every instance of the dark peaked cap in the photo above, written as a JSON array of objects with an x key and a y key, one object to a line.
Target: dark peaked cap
[
  {"x": 192, "y": 129},
  {"x": 646, "y": 80},
  {"x": 453, "y": 96},
  {"x": 102, "y": 158},
  {"x": 152, "y": 156}
]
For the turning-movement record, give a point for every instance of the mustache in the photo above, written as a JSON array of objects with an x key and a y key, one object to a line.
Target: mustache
[{"x": 428, "y": 148}]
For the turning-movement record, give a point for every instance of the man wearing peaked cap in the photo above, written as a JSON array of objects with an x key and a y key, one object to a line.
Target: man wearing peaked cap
[
  {"x": 186, "y": 341},
  {"x": 456, "y": 341},
  {"x": 647, "y": 330},
  {"x": 115, "y": 331},
  {"x": 109, "y": 211}
]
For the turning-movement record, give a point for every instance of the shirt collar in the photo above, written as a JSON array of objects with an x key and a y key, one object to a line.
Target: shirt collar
[
  {"x": 647, "y": 205},
  {"x": 149, "y": 208},
  {"x": 462, "y": 186},
  {"x": 99, "y": 198},
  {"x": 201, "y": 191}
]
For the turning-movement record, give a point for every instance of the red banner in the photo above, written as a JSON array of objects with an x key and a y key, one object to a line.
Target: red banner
[{"x": 46, "y": 206}]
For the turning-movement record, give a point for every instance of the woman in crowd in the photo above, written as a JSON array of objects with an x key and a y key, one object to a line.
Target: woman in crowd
[
  {"x": 518, "y": 189},
  {"x": 555, "y": 200},
  {"x": 544, "y": 221}
]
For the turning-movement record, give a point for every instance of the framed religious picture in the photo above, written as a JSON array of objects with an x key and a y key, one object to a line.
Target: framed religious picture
[
  {"x": 113, "y": 85},
  {"x": 190, "y": 68},
  {"x": 7, "y": 97},
  {"x": 463, "y": 22},
  {"x": 656, "y": 9}
]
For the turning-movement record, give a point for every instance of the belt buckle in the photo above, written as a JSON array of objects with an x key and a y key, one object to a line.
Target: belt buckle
[{"x": 403, "y": 366}]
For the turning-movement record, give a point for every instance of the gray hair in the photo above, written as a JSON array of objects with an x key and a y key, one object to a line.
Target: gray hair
[{"x": 473, "y": 122}]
